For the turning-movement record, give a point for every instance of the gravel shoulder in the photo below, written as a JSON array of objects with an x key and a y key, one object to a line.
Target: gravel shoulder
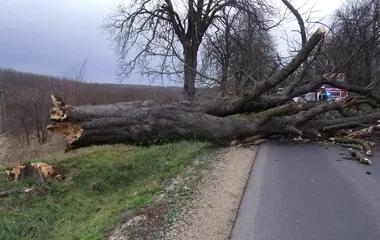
[
  {"x": 212, "y": 211},
  {"x": 202, "y": 203}
]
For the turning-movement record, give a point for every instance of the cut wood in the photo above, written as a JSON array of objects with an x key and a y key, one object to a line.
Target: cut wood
[
  {"x": 363, "y": 143},
  {"x": 365, "y": 132},
  {"x": 38, "y": 171},
  {"x": 252, "y": 143},
  {"x": 359, "y": 157},
  {"x": 342, "y": 126},
  {"x": 354, "y": 146},
  {"x": 344, "y": 132}
]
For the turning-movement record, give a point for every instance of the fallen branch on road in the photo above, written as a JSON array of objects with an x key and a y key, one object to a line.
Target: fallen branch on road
[
  {"x": 359, "y": 157},
  {"x": 361, "y": 142},
  {"x": 354, "y": 146}
]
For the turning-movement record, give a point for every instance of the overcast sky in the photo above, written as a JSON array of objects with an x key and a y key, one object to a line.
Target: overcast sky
[{"x": 49, "y": 36}]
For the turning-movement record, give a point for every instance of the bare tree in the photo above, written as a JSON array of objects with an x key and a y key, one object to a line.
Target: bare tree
[
  {"x": 239, "y": 53},
  {"x": 171, "y": 32},
  {"x": 354, "y": 36},
  {"x": 30, "y": 113},
  {"x": 217, "y": 53},
  {"x": 76, "y": 76}
]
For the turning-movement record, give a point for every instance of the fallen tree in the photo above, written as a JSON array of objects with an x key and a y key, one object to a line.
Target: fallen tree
[{"x": 218, "y": 120}]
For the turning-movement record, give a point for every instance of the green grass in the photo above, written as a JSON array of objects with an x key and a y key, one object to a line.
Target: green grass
[{"x": 101, "y": 182}]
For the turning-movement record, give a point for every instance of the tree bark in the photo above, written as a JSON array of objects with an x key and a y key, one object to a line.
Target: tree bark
[
  {"x": 151, "y": 122},
  {"x": 143, "y": 122},
  {"x": 190, "y": 68},
  {"x": 148, "y": 122}
]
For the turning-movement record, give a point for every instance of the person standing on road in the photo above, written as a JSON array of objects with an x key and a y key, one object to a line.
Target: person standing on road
[{"x": 322, "y": 94}]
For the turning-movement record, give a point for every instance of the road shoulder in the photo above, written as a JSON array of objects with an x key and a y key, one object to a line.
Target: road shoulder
[
  {"x": 202, "y": 203},
  {"x": 212, "y": 210}
]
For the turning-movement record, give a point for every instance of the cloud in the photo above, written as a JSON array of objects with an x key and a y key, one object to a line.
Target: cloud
[{"x": 49, "y": 36}]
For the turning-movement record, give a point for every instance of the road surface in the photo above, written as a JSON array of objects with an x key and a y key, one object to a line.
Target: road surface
[{"x": 301, "y": 192}]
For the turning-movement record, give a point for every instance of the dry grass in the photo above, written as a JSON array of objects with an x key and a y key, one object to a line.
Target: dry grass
[
  {"x": 6, "y": 147},
  {"x": 12, "y": 151}
]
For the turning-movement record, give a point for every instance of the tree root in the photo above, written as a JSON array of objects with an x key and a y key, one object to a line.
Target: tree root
[
  {"x": 359, "y": 157},
  {"x": 363, "y": 143}
]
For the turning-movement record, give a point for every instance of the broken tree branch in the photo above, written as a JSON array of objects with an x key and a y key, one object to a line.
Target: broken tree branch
[
  {"x": 285, "y": 72},
  {"x": 354, "y": 146},
  {"x": 359, "y": 157},
  {"x": 365, "y": 132},
  {"x": 15, "y": 191},
  {"x": 342, "y": 126},
  {"x": 363, "y": 143}
]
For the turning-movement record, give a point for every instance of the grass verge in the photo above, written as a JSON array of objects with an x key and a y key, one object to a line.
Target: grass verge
[{"x": 101, "y": 182}]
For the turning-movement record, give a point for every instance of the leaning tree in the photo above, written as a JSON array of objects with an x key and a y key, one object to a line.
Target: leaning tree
[{"x": 254, "y": 114}]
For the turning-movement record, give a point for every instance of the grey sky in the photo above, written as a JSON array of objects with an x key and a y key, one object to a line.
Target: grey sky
[{"x": 49, "y": 36}]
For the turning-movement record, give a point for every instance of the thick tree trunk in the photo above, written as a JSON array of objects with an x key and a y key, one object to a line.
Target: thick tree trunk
[
  {"x": 223, "y": 81},
  {"x": 149, "y": 122},
  {"x": 190, "y": 68},
  {"x": 143, "y": 122}
]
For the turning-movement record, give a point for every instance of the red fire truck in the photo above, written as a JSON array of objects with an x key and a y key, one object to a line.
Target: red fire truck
[{"x": 331, "y": 92}]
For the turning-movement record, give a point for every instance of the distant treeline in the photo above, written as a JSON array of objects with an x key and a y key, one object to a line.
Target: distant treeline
[{"x": 27, "y": 99}]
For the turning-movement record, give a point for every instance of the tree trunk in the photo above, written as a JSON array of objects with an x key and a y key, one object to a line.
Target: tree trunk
[
  {"x": 143, "y": 122},
  {"x": 151, "y": 122},
  {"x": 26, "y": 130},
  {"x": 223, "y": 81},
  {"x": 190, "y": 68},
  {"x": 238, "y": 80},
  {"x": 368, "y": 66}
]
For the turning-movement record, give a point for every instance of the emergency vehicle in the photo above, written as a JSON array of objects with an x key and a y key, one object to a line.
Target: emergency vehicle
[{"x": 333, "y": 93}]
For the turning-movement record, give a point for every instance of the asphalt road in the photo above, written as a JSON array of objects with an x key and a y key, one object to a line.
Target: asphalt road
[{"x": 301, "y": 192}]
